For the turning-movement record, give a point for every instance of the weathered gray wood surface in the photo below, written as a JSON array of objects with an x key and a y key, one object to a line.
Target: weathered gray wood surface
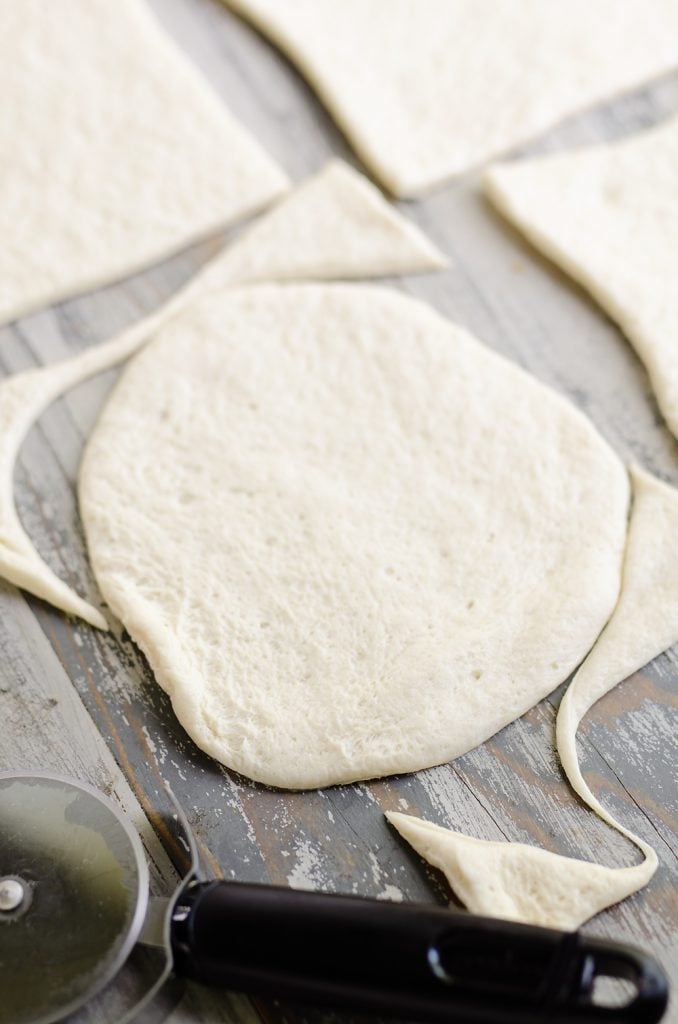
[{"x": 83, "y": 702}]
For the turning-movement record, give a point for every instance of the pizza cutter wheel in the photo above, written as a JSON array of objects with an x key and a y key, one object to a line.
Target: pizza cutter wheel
[{"x": 74, "y": 904}]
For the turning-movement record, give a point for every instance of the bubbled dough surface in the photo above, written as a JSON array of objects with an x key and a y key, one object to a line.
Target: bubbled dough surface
[{"x": 350, "y": 539}]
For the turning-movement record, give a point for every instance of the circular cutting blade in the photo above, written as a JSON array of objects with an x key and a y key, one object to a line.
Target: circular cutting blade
[{"x": 84, "y": 877}]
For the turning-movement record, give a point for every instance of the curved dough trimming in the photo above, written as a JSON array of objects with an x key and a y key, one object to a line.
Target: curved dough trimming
[{"x": 334, "y": 224}]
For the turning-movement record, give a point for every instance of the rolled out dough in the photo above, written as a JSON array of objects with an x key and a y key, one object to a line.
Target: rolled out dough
[
  {"x": 608, "y": 215},
  {"x": 525, "y": 883},
  {"x": 114, "y": 151},
  {"x": 350, "y": 540},
  {"x": 425, "y": 91},
  {"x": 333, "y": 224}
]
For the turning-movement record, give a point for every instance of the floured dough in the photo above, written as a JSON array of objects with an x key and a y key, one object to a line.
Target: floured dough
[
  {"x": 525, "y": 883},
  {"x": 114, "y": 151},
  {"x": 350, "y": 540},
  {"x": 335, "y": 223},
  {"x": 608, "y": 215},
  {"x": 428, "y": 90}
]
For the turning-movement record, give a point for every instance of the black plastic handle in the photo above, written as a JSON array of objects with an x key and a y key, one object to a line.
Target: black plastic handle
[{"x": 403, "y": 959}]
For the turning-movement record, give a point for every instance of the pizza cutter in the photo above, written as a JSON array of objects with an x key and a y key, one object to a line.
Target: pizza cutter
[{"x": 75, "y": 908}]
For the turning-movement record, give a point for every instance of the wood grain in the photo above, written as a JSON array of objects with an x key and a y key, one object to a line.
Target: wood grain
[{"x": 85, "y": 703}]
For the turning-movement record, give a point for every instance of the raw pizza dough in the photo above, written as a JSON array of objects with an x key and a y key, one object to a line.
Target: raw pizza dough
[
  {"x": 350, "y": 540},
  {"x": 428, "y": 90},
  {"x": 114, "y": 151},
  {"x": 522, "y": 882},
  {"x": 512, "y": 880},
  {"x": 333, "y": 224},
  {"x": 608, "y": 215}
]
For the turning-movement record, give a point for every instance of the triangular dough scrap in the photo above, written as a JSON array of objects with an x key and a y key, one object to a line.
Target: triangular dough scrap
[
  {"x": 608, "y": 215},
  {"x": 513, "y": 880},
  {"x": 333, "y": 224},
  {"x": 425, "y": 91},
  {"x": 523, "y": 882},
  {"x": 114, "y": 151}
]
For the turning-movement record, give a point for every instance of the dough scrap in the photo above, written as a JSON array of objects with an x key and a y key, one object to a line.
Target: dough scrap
[
  {"x": 426, "y": 91},
  {"x": 644, "y": 624},
  {"x": 333, "y": 223},
  {"x": 114, "y": 150},
  {"x": 525, "y": 883},
  {"x": 418, "y": 541},
  {"x": 608, "y": 215},
  {"x": 513, "y": 880}
]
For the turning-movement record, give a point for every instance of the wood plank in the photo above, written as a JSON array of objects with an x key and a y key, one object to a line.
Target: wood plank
[{"x": 127, "y": 737}]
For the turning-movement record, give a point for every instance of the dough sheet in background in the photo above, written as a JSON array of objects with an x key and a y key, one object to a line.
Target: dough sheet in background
[{"x": 499, "y": 288}]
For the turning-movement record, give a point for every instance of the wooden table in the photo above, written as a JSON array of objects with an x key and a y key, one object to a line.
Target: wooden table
[{"x": 84, "y": 702}]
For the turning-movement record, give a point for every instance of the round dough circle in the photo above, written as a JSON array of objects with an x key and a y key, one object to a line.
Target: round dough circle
[{"x": 350, "y": 540}]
